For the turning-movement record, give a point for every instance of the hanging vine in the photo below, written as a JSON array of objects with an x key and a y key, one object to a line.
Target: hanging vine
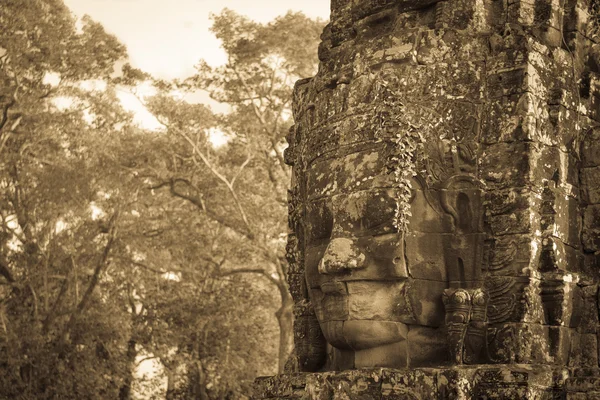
[{"x": 408, "y": 125}]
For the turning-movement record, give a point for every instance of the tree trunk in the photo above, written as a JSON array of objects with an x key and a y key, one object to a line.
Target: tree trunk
[
  {"x": 197, "y": 382},
  {"x": 286, "y": 334},
  {"x": 170, "y": 395},
  {"x": 125, "y": 391}
]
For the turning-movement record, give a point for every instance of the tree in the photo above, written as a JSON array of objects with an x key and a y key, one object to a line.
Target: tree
[
  {"x": 242, "y": 187},
  {"x": 117, "y": 242},
  {"x": 54, "y": 256},
  {"x": 195, "y": 322}
]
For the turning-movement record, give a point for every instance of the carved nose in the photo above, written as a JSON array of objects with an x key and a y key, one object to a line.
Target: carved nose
[{"x": 341, "y": 255}]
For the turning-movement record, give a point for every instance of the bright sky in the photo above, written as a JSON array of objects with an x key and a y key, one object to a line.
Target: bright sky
[{"x": 168, "y": 37}]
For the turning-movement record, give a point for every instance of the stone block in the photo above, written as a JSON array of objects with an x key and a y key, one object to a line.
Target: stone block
[
  {"x": 556, "y": 256},
  {"x": 590, "y": 185},
  {"x": 590, "y": 149},
  {"x": 563, "y": 126},
  {"x": 513, "y": 299},
  {"x": 425, "y": 256},
  {"x": 496, "y": 382},
  {"x": 426, "y": 301},
  {"x": 590, "y": 267},
  {"x": 310, "y": 346},
  {"x": 588, "y": 309},
  {"x": 562, "y": 302},
  {"x": 503, "y": 119},
  {"x": 455, "y": 15},
  {"x": 297, "y": 285},
  {"x": 583, "y": 384},
  {"x": 505, "y": 382},
  {"x": 353, "y": 385},
  {"x": 518, "y": 343},
  {"x": 521, "y": 12},
  {"x": 509, "y": 255},
  {"x": 394, "y": 355},
  {"x": 559, "y": 344},
  {"x": 584, "y": 351},
  {"x": 550, "y": 163},
  {"x": 409, "y": 384},
  {"x": 510, "y": 224},
  {"x": 507, "y": 201},
  {"x": 507, "y": 165},
  {"x": 330, "y": 307},
  {"x": 427, "y": 346},
  {"x": 371, "y": 300},
  {"x": 289, "y": 386},
  {"x": 591, "y": 228},
  {"x": 361, "y": 170},
  {"x": 507, "y": 82},
  {"x": 463, "y": 382},
  {"x": 507, "y": 51}
]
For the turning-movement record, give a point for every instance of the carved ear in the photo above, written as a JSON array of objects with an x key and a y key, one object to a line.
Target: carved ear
[
  {"x": 312, "y": 349},
  {"x": 461, "y": 198}
]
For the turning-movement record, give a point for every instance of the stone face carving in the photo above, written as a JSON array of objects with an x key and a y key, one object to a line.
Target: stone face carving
[
  {"x": 377, "y": 287},
  {"x": 444, "y": 205},
  {"x": 368, "y": 305}
]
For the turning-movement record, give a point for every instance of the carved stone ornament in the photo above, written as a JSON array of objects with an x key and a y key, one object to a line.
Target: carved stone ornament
[{"x": 444, "y": 207}]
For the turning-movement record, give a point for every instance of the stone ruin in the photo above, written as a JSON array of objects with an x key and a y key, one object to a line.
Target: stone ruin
[{"x": 445, "y": 204}]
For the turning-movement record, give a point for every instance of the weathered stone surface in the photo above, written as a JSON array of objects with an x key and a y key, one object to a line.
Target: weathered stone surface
[
  {"x": 591, "y": 228},
  {"x": 482, "y": 382},
  {"x": 446, "y": 149},
  {"x": 584, "y": 350},
  {"x": 588, "y": 309},
  {"x": 590, "y": 151},
  {"x": 509, "y": 255},
  {"x": 590, "y": 179}
]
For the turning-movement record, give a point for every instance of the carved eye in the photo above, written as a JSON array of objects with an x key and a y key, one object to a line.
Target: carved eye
[
  {"x": 380, "y": 213},
  {"x": 366, "y": 213}
]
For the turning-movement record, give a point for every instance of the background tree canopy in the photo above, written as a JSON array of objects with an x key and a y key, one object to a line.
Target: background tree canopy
[{"x": 119, "y": 244}]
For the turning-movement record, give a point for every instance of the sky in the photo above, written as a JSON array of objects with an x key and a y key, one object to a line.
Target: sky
[{"x": 168, "y": 37}]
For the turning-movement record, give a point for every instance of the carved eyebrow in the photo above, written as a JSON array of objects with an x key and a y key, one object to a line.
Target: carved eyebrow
[{"x": 319, "y": 218}]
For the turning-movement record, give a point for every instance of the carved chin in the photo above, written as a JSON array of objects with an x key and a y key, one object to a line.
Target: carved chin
[{"x": 363, "y": 334}]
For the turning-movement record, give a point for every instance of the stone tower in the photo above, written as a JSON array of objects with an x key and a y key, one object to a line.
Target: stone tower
[{"x": 445, "y": 204}]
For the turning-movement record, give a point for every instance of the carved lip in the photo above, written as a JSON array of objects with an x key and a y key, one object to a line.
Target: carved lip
[
  {"x": 334, "y": 287},
  {"x": 363, "y": 334}
]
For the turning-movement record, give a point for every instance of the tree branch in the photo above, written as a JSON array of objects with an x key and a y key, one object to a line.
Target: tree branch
[
  {"x": 201, "y": 205},
  {"x": 259, "y": 271},
  {"x": 55, "y": 307},
  {"x": 244, "y": 164},
  {"x": 261, "y": 119},
  {"x": 5, "y": 271},
  {"x": 144, "y": 266},
  {"x": 112, "y": 233}
]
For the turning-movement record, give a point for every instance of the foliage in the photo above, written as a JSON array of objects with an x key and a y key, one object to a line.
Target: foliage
[
  {"x": 396, "y": 118},
  {"x": 118, "y": 243},
  {"x": 239, "y": 189},
  {"x": 53, "y": 255},
  {"x": 184, "y": 313}
]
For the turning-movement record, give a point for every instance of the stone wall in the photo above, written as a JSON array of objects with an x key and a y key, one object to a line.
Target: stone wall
[{"x": 502, "y": 93}]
